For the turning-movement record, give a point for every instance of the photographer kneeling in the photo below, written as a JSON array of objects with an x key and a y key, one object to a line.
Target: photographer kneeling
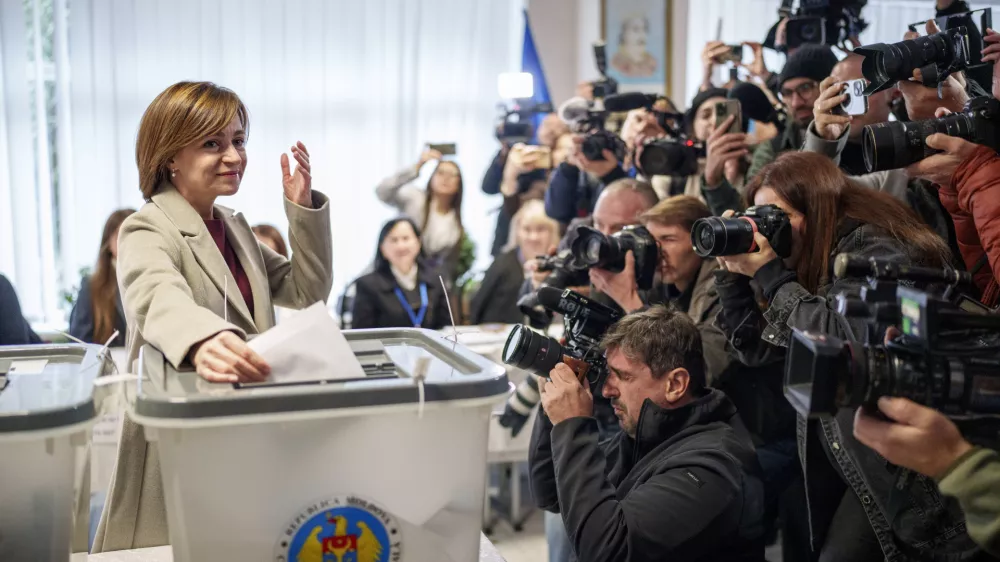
[
  {"x": 847, "y": 485},
  {"x": 679, "y": 482}
]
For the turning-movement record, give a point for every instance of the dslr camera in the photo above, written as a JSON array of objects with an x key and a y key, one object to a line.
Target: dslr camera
[
  {"x": 936, "y": 56},
  {"x": 588, "y": 248},
  {"x": 730, "y": 236},
  {"x": 589, "y": 118},
  {"x": 947, "y": 358},
  {"x": 895, "y": 144},
  {"x": 584, "y": 321}
]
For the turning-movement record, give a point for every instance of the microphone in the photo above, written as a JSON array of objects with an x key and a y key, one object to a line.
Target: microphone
[
  {"x": 629, "y": 101},
  {"x": 847, "y": 265},
  {"x": 574, "y": 110},
  {"x": 755, "y": 104}
]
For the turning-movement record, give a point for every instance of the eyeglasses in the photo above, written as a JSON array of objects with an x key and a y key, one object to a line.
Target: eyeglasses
[{"x": 804, "y": 89}]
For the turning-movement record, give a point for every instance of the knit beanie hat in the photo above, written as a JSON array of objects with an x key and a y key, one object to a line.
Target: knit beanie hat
[{"x": 809, "y": 61}]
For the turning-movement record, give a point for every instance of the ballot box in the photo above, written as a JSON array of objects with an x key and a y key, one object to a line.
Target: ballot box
[
  {"x": 47, "y": 408},
  {"x": 381, "y": 467}
]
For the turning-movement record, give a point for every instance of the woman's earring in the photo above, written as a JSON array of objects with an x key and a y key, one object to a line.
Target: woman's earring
[{"x": 173, "y": 173}]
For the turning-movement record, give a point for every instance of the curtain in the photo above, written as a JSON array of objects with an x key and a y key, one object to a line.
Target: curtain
[
  {"x": 27, "y": 250},
  {"x": 750, "y": 20},
  {"x": 363, "y": 84}
]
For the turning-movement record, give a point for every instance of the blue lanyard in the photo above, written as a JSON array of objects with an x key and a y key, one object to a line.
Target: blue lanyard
[{"x": 416, "y": 318}]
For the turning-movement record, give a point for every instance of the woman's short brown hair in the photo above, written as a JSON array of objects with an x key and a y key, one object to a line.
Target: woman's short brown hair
[
  {"x": 679, "y": 210},
  {"x": 180, "y": 115}
]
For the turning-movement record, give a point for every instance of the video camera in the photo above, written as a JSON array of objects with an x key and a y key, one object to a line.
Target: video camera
[
  {"x": 514, "y": 125},
  {"x": 824, "y": 22},
  {"x": 947, "y": 358},
  {"x": 895, "y": 144},
  {"x": 585, "y": 322}
]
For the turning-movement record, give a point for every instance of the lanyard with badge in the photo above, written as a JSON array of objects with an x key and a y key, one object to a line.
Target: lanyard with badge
[{"x": 416, "y": 317}]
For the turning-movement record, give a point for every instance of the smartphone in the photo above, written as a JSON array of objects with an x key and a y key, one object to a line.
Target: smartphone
[
  {"x": 735, "y": 54},
  {"x": 856, "y": 102},
  {"x": 445, "y": 148},
  {"x": 724, "y": 109},
  {"x": 544, "y": 157}
]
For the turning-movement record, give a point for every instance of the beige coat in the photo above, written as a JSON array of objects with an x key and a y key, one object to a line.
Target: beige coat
[{"x": 172, "y": 280}]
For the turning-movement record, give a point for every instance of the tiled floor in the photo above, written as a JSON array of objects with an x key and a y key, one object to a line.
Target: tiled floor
[{"x": 525, "y": 546}]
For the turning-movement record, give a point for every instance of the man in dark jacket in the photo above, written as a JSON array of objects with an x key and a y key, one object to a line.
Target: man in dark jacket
[
  {"x": 678, "y": 483},
  {"x": 14, "y": 329}
]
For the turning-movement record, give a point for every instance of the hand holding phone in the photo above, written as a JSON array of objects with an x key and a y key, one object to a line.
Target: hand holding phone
[{"x": 726, "y": 108}]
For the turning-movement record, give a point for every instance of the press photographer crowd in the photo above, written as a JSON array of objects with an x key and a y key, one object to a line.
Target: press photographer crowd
[{"x": 767, "y": 320}]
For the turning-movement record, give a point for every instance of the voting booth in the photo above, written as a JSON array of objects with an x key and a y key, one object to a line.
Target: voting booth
[
  {"x": 386, "y": 466},
  {"x": 47, "y": 408}
]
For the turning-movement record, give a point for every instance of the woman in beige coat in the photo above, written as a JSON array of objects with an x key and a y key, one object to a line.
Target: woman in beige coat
[{"x": 194, "y": 280}]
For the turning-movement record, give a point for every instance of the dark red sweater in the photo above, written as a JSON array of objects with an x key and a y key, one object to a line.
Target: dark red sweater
[{"x": 217, "y": 228}]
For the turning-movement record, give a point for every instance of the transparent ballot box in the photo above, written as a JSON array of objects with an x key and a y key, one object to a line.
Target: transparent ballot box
[{"x": 47, "y": 408}]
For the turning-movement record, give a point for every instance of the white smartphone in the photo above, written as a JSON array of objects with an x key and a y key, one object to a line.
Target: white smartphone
[{"x": 856, "y": 102}]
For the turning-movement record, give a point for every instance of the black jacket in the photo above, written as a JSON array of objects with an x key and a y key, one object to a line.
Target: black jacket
[
  {"x": 491, "y": 186},
  {"x": 81, "y": 319},
  {"x": 376, "y": 304},
  {"x": 496, "y": 300},
  {"x": 14, "y": 329},
  {"x": 923, "y": 523},
  {"x": 685, "y": 489}
]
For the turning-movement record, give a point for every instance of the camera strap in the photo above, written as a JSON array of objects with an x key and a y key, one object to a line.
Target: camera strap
[{"x": 416, "y": 317}]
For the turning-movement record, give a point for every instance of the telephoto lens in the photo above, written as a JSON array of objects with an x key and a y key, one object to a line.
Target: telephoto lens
[
  {"x": 935, "y": 55},
  {"x": 531, "y": 351},
  {"x": 895, "y": 144}
]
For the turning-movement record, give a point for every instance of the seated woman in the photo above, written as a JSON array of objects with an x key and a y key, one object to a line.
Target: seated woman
[
  {"x": 848, "y": 485},
  {"x": 195, "y": 281},
  {"x": 534, "y": 235},
  {"x": 436, "y": 210},
  {"x": 403, "y": 291},
  {"x": 98, "y": 310}
]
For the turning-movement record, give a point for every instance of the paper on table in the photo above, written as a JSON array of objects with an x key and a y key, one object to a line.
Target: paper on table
[
  {"x": 307, "y": 346},
  {"x": 27, "y": 367}
]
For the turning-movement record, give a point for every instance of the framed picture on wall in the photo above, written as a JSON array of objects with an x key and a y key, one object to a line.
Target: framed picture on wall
[{"x": 636, "y": 33}]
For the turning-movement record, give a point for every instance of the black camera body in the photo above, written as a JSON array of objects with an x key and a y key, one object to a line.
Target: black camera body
[
  {"x": 936, "y": 56},
  {"x": 584, "y": 320},
  {"x": 676, "y": 156},
  {"x": 730, "y": 236},
  {"x": 591, "y": 249},
  {"x": 947, "y": 357},
  {"x": 895, "y": 144},
  {"x": 514, "y": 125}
]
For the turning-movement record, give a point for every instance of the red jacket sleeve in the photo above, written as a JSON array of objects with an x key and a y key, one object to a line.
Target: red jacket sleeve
[{"x": 977, "y": 188}]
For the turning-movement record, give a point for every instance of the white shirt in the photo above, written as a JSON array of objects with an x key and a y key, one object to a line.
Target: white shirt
[
  {"x": 441, "y": 231},
  {"x": 407, "y": 281}
]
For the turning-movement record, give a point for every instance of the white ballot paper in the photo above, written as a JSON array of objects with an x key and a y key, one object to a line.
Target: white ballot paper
[{"x": 308, "y": 346}]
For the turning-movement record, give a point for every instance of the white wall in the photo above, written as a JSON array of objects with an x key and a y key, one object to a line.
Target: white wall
[{"x": 565, "y": 31}]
